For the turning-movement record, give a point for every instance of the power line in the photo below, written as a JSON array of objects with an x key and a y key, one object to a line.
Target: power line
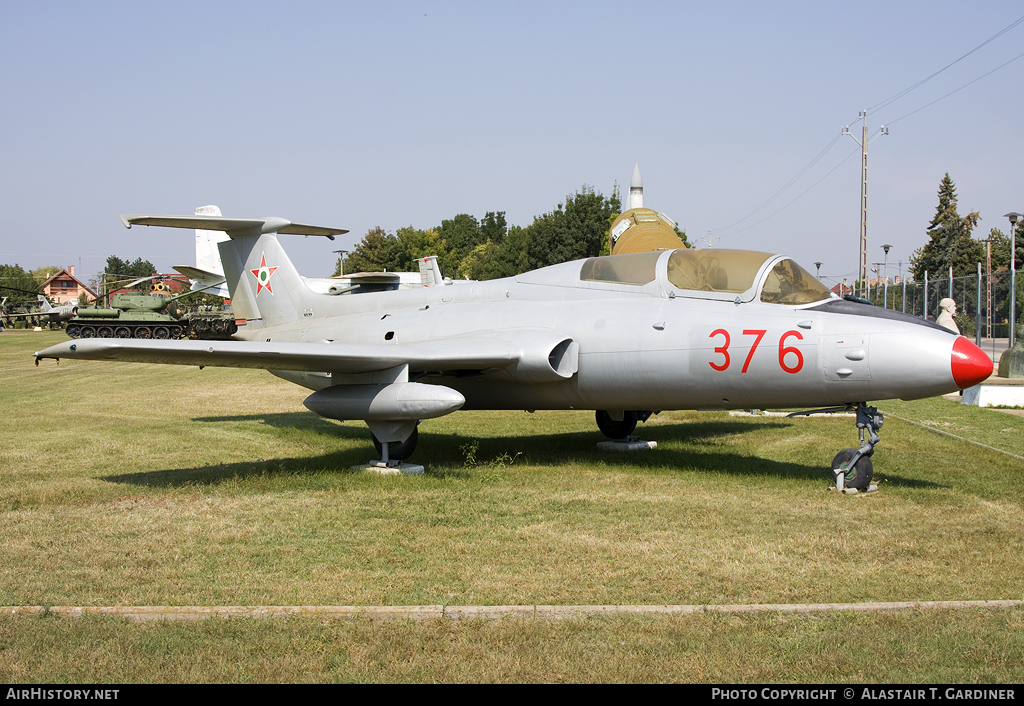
[
  {"x": 905, "y": 91},
  {"x": 927, "y": 105},
  {"x": 878, "y": 106},
  {"x": 784, "y": 187},
  {"x": 829, "y": 172}
]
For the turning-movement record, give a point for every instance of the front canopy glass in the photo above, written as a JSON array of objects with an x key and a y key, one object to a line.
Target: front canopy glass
[
  {"x": 714, "y": 269},
  {"x": 788, "y": 283}
]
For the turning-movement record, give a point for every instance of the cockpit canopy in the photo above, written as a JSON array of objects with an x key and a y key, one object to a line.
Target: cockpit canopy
[
  {"x": 788, "y": 283},
  {"x": 712, "y": 272}
]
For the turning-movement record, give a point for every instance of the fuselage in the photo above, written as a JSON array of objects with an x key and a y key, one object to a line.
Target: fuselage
[{"x": 647, "y": 346}]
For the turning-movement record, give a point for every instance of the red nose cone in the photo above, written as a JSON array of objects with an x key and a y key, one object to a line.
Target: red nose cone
[{"x": 970, "y": 364}]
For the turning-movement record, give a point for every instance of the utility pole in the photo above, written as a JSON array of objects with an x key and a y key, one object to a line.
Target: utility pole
[
  {"x": 863, "y": 142},
  {"x": 877, "y": 269}
]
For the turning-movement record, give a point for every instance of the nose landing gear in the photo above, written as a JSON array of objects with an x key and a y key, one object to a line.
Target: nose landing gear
[{"x": 852, "y": 467}]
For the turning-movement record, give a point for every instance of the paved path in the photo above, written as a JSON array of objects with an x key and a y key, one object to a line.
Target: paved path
[{"x": 437, "y": 612}]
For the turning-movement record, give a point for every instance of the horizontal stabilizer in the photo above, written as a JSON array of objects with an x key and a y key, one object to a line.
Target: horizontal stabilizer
[
  {"x": 198, "y": 274},
  {"x": 438, "y": 355},
  {"x": 241, "y": 226}
]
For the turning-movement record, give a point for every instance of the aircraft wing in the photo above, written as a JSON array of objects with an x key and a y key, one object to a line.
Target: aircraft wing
[{"x": 439, "y": 355}]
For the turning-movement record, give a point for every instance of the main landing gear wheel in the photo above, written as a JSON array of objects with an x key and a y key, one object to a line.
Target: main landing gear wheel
[
  {"x": 398, "y": 451},
  {"x": 615, "y": 429},
  {"x": 856, "y": 476}
]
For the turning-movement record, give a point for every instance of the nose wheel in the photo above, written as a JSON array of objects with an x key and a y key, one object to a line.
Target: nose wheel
[{"x": 852, "y": 468}]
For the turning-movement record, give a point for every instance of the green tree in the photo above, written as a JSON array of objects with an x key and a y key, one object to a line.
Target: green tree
[
  {"x": 376, "y": 252},
  {"x": 999, "y": 243},
  {"x": 16, "y": 283},
  {"x": 120, "y": 272},
  {"x": 950, "y": 242},
  {"x": 41, "y": 274},
  {"x": 574, "y": 230},
  {"x": 379, "y": 251},
  {"x": 459, "y": 235},
  {"x": 1001, "y": 248},
  {"x": 511, "y": 257},
  {"x": 414, "y": 244},
  {"x": 479, "y": 263},
  {"x": 493, "y": 227}
]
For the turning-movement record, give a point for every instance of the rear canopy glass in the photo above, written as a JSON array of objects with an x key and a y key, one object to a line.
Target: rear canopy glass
[
  {"x": 714, "y": 269},
  {"x": 637, "y": 268}
]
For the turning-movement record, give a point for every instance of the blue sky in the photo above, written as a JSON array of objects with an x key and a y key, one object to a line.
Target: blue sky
[{"x": 405, "y": 113}]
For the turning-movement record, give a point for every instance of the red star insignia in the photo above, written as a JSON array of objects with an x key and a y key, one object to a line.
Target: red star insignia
[{"x": 263, "y": 275}]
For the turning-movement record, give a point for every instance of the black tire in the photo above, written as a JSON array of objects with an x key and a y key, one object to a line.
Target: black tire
[
  {"x": 87, "y": 332},
  {"x": 143, "y": 332},
  {"x": 105, "y": 332},
  {"x": 613, "y": 429},
  {"x": 858, "y": 477},
  {"x": 399, "y": 451},
  {"x": 161, "y": 333},
  {"x": 73, "y": 331},
  {"x": 122, "y": 332}
]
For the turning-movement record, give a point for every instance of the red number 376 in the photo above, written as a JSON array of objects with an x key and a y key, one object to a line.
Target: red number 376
[{"x": 758, "y": 334}]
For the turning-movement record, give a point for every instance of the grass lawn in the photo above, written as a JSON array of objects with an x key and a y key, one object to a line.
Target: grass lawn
[{"x": 125, "y": 484}]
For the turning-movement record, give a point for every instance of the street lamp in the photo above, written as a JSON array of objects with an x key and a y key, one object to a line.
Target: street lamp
[
  {"x": 885, "y": 289},
  {"x": 1013, "y": 216},
  {"x": 818, "y": 265}
]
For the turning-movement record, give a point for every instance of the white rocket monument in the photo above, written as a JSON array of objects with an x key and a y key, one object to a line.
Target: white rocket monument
[{"x": 636, "y": 189}]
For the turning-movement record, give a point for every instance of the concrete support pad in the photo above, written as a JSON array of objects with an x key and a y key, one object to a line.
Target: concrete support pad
[
  {"x": 996, "y": 392},
  {"x": 630, "y": 443},
  {"x": 407, "y": 469}
]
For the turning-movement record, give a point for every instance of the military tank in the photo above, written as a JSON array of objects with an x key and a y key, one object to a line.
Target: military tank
[
  {"x": 142, "y": 315},
  {"x": 211, "y": 324}
]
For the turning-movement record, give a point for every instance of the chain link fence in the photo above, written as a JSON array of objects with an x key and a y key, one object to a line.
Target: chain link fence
[{"x": 982, "y": 301}]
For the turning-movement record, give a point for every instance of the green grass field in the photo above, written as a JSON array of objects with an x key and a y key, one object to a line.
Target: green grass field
[{"x": 125, "y": 484}]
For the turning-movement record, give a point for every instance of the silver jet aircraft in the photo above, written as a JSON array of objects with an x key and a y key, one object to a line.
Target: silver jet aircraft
[
  {"x": 625, "y": 335},
  {"x": 49, "y": 313}
]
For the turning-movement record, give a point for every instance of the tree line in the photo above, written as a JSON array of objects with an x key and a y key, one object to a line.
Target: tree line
[
  {"x": 950, "y": 243},
  {"x": 488, "y": 248}
]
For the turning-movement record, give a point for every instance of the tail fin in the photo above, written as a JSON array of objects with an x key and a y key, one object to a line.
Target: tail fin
[
  {"x": 207, "y": 255},
  {"x": 264, "y": 285},
  {"x": 44, "y": 304}
]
